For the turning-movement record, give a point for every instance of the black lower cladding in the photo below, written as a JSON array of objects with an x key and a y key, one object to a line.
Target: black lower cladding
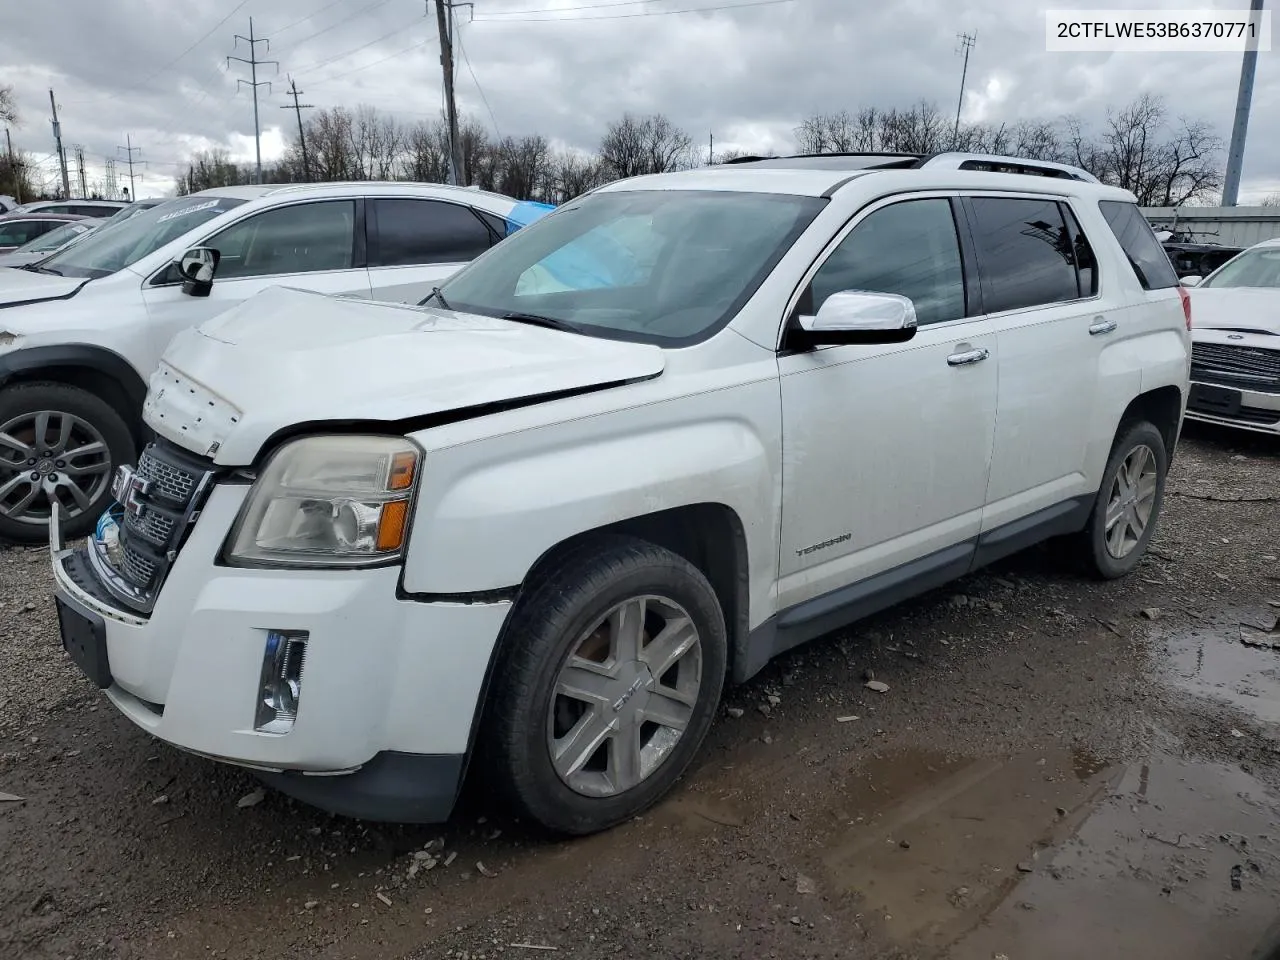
[
  {"x": 84, "y": 637},
  {"x": 392, "y": 788},
  {"x": 820, "y": 615}
]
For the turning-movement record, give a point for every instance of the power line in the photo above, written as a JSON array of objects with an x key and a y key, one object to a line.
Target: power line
[
  {"x": 480, "y": 90},
  {"x": 351, "y": 16},
  {"x": 234, "y": 11},
  {"x": 342, "y": 56},
  {"x": 310, "y": 16},
  {"x": 589, "y": 6},
  {"x": 255, "y": 83},
  {"x": 347, "y": 73},
  {"x": 629, "y": 16}
]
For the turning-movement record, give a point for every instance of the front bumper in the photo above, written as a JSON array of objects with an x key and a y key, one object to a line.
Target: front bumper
[
  {"x": 1245, "y": 409},
  {"x": 389, "y": 687}
]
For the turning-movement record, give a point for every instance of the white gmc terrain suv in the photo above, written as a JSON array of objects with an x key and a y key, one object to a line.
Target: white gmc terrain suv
[{"x": 674, "y": 428}]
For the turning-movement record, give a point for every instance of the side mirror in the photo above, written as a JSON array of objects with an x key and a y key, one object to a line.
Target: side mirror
[
  {"x": 1191, "y": 281},
  {"x": 197, "y": 267},
  {"x": 857, "y": 316}
]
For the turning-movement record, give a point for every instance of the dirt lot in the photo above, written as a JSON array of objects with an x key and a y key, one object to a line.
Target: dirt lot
[{"x": 1059, "y": 769}]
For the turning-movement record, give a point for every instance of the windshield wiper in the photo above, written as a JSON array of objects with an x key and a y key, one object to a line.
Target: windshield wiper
[
  {"x": 535, "y": 320},
  {"x": 435, "y": 292},
  {"x": 36, "y": 268}
]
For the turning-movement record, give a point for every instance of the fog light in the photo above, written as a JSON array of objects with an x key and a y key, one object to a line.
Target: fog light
[{"x": 281, "y": 683}]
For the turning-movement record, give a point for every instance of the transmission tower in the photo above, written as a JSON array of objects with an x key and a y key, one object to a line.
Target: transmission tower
[
  {"x": 129, "y": 150},
  {"x": 253, "y": 63},
  {"x": 80, "y": 172},
  {"x": 110, "y": 186}
]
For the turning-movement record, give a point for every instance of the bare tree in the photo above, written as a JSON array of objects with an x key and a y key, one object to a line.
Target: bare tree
[
  {"x": 521, "y": 166},
  {"x": 1270, "y": 200},
  {"x": 634, "y": 146},
  {"x": 8, "y": 106},
  {"x": 212, "y": 168},
  {"x": 1138, "y": 150},
  {"x": 572, "y": 174}
]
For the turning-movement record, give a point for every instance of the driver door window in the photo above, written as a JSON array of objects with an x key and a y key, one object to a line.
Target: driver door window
[
  {"x": 303, "y": 238},
  {"x": 908, "y": 248}
]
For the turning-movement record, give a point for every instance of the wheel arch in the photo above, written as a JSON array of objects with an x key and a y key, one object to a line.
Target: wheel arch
[
  {"x": 1162, "y": 407},
  {"x": 98, "y": 370},
  {"x": 708, "y": 535}
]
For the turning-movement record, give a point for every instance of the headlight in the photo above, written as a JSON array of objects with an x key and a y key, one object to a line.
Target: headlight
[{"x": 330, "y": 501}]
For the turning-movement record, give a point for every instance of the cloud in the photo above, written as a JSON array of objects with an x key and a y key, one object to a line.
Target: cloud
[{"x": 157, "y": 71}]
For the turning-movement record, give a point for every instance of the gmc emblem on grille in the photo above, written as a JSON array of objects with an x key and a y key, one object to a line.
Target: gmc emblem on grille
[{"x": 127, "y": 487}]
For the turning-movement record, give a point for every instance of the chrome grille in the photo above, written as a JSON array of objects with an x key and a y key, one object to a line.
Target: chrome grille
[
  {"x": 152, "y": 525},
  {"x": 157, "y": 510},
  {"x": 1249, "y": 368},
  {"x": 139, "y": 570},
  {"x": 170, "y": 481}
]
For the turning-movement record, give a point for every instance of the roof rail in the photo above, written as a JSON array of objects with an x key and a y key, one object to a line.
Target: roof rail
[{"x": 998, "y": 164}]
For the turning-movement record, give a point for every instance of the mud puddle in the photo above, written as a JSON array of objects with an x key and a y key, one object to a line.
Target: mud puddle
[
  {"x": 1213, "y": 661},
  {"x": 1056, "y": 854}
]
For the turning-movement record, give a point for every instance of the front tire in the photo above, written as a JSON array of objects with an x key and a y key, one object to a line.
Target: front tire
[
  {"x": 613, "y": 667},
  {"x": 57, "y": 442},
  {"x": 1128, "y": 505}
]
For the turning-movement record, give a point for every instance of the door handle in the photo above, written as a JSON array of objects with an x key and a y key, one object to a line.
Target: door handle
[
  {"x": 975, "y": 355},
  {"x": 1101, "y": 325}
]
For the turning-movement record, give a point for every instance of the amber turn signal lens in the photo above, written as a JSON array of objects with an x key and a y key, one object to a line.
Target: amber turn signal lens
[
  {"x": 391, "y": 525},
  {"x": 402, "y": 468}
]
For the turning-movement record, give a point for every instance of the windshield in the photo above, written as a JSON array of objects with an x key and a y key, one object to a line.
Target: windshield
[
  {"x": 54, "y": 238},
  {"x": 663, "y": 266},
  {"x": 125, "y": 213},
  {"x": 1253, "y": 268},
  {"x": 114, "y": 247}
]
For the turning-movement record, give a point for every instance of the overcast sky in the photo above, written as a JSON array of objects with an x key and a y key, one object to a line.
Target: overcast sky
[{"x": 156, "y": 70}]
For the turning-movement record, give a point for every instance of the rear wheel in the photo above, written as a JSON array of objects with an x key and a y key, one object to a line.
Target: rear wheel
[
  {"x": 1128, "y": 505},
  {"x": 60, "y": 444},
  {"x": 614, "y": 666}
]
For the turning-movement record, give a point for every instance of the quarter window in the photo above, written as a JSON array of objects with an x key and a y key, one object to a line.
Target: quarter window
[
  {"x": 1025, "y": 253},
  {"x": 907, "y": 248},
  {"x": 304, "y": 238},
  {"x": 1149, "y": 261},
  {"x": 427, "y": 231},
  {"x": 1086, "y": 264}
]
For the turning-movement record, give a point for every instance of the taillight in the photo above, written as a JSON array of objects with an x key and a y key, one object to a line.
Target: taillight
[{"x": 1186, "y": 305}]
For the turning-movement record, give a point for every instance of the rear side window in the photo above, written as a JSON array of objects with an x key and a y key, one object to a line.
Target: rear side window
[
  {"x": 427, "y": 231},
  {"x": 1149, "y": 261},
  {"x": 1026, "y": 256}
]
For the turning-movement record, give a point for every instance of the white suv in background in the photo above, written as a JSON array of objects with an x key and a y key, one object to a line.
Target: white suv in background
[
  {"x": 676, "y": 427},
  {"x": 81, "y": 331}
]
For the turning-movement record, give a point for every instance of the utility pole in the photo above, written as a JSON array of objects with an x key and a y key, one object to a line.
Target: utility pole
[
  {"x": 967, "y": 40},
  {"x": 109, "y": 180},
  {"x": 129, "y": 150},
  {"x": 1244, "y": 100},
  {"x": 297, "y": 108},
  {"x": 711, "y": 149},
  {"x": 451, "y": 107},
  {"x": 80, "y": 174},
  {"x": 255, "y": 83},
  {"x": 62, "y": 154},
  {"x": 13, "y": 167}
]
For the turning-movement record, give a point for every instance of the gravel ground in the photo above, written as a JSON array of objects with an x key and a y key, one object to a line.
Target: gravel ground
[{"x": 1101, "y": 759}]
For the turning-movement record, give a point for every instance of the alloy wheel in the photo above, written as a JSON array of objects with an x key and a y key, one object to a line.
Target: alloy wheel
[{"x": 47, "y": 456}]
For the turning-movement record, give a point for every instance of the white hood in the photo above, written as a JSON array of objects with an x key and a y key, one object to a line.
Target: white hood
[
  {"x": 26, "y": 286},
  {"x": 288, "y": 357},
  {"x": 1251, "y": 309}
]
